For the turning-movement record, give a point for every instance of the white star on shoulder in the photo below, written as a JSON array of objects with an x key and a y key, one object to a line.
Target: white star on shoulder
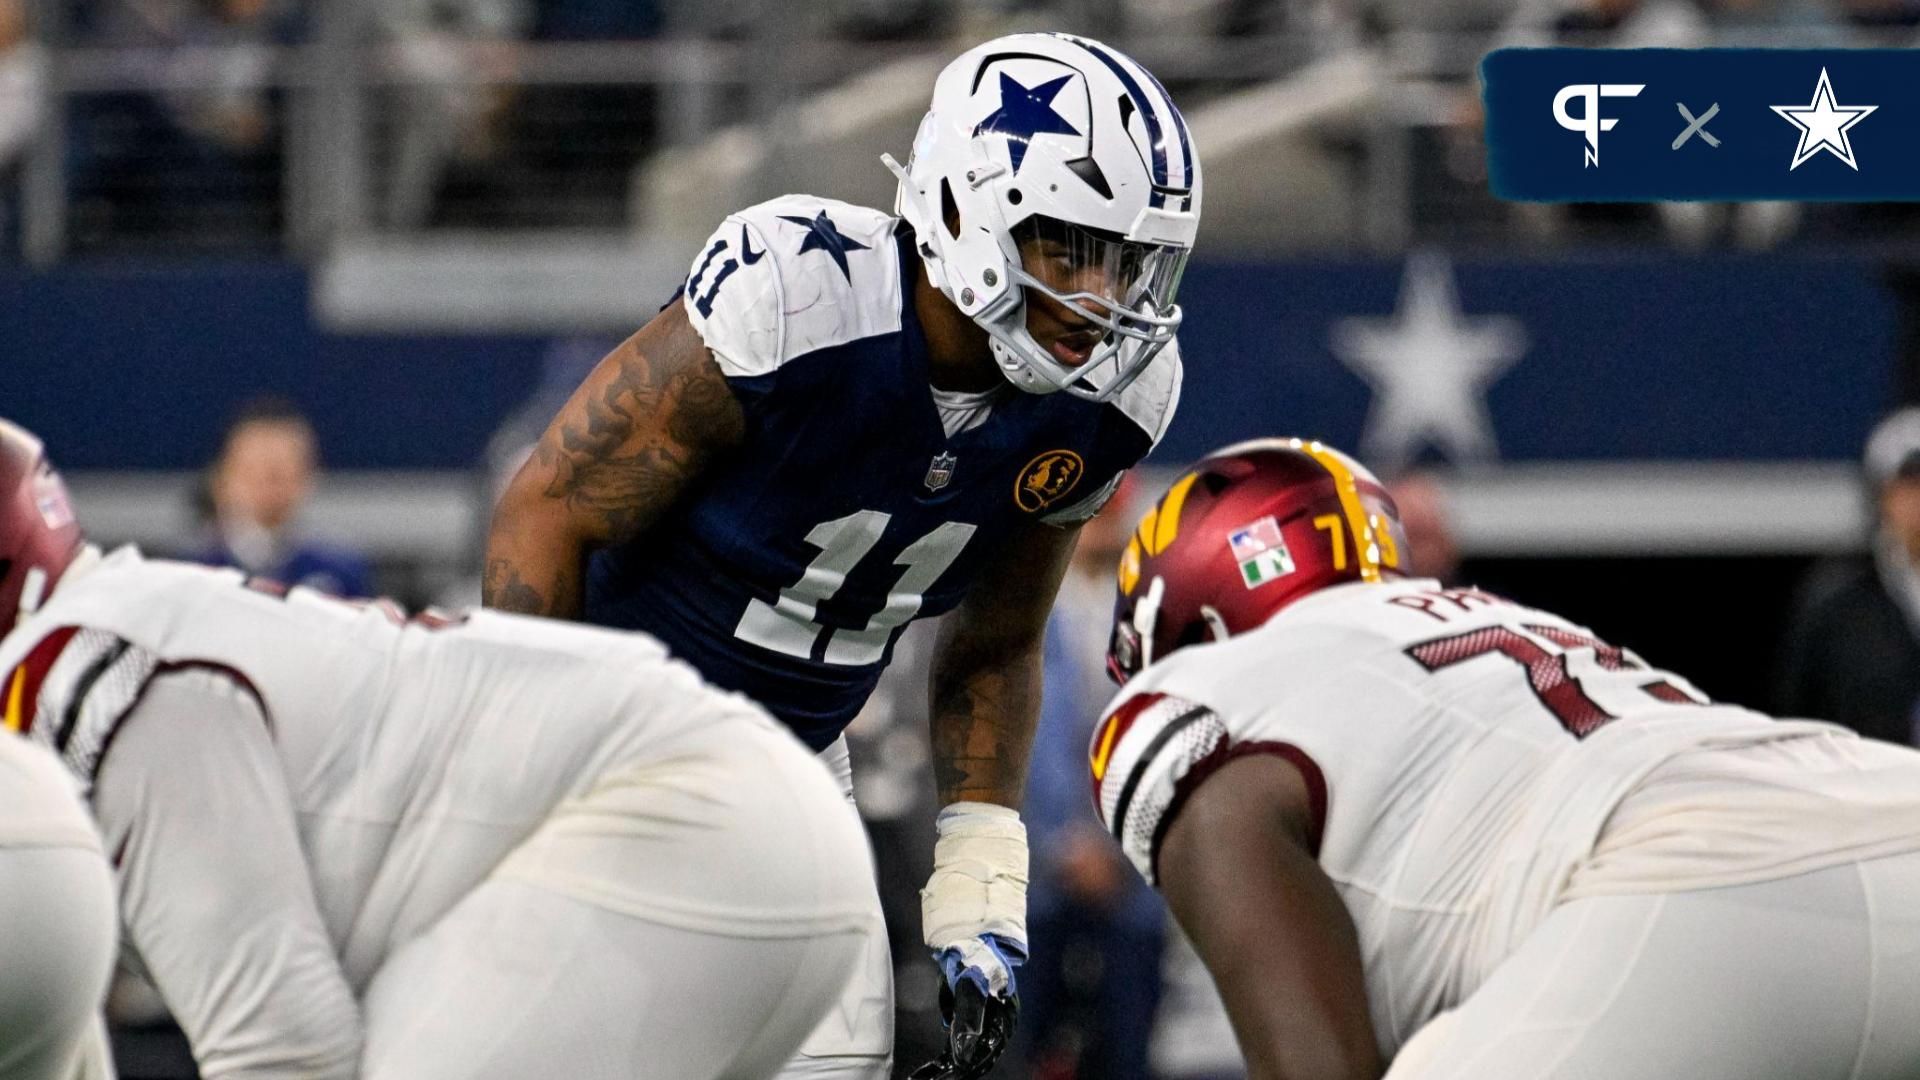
[
  {"x": 1429, "y": 365},
  {"x": 1823, "y": 125}
]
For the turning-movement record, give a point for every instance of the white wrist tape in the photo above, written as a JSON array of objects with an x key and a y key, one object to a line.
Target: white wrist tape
[{"x": 979, "y": 882}]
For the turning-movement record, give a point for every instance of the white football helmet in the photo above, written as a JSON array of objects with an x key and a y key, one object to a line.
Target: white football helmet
[{"x": 1064, "y": 136}]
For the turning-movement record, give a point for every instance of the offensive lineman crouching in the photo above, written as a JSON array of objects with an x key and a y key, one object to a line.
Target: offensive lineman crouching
[
  {"x": 1433, "y": 826},
  {"x": 350, "y": 844}
]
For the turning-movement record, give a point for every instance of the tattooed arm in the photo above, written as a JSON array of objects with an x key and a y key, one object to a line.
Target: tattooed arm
[
  {"x": 986, "y": 670},
  {"x": 653, "y": 414},
  {"x": 986, "y": 701}
]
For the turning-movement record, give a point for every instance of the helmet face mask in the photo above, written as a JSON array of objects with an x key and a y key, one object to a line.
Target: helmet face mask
[
  {"x": 1250, "y": 530},
  {"x": 1123, "y": 288},
  {"x": 1069, "y": 135}
]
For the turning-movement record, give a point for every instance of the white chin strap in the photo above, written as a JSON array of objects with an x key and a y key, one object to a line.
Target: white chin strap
[
  {"x": 33, "y": 591},
  {"x": 1146, "y": 613}
]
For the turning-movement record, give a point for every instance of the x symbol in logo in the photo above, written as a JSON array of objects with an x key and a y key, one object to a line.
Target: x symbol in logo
[{"x": 1697, "y": 126}]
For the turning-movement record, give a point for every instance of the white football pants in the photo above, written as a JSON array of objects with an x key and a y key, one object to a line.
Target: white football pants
[
  {"x": 855, "y": 1040},
  {"x": 57, "y": 955},
  {"x": 1814, "y": 977},
  {"x": 645, "y": 931}
]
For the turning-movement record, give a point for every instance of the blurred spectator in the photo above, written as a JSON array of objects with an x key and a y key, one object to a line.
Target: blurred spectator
[
  {"x": 196, "y": 164},
  {"x": 596, "y": 20},
  {"x": 1853, "y": 644},
  {"x": 1879, "y": 14},
  {"x": 1431, "y": 548},
  {"x": 568, "y": 148},
  {"x": 1619, "y": 24},
  {"x": 455, "y": 59},
  {"x": 258, "y": 487},
  {"x": 1097, "y": 930},
  {"x": 22, "y": 79}
]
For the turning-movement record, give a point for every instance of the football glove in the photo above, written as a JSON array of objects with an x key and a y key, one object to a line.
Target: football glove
[{"x": 979, "y": 1025}]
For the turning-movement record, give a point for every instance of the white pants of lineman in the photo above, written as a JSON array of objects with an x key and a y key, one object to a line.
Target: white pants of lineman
[
  {"x": 855, "y": 1039},
  {"x": 552, "y": 967},
  {"x": 56, "y": 895},
  {"x": 1814, "y": 977}
]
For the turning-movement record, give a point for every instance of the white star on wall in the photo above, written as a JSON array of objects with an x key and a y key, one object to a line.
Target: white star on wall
[
  {"x": 1429, "y": 365},
  {"x": 1823, "y": 125}
]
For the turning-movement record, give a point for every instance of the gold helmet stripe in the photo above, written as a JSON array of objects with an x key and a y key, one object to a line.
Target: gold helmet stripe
[
  {"x": 16, "y": 715},
  {"x": 1155, "y": 532},
  {"x": 1365, "y": 545},
  {"x": 1168, "y": 525},
  {"x": 1129, "y": 573}
]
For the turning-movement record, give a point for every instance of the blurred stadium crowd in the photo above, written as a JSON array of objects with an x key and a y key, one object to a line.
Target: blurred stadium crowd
[
  {"x": 245, "y": 126},
  {"x": 284, "y": 127}
]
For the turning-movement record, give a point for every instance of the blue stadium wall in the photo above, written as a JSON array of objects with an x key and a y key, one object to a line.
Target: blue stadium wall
[{"x": 1628, "y": 357}]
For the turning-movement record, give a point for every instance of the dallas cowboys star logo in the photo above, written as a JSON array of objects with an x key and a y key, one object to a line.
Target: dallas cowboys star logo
[
  {"x": 1429, "y": 364},
  {"x": 1025, "y": 112},
  {"x": 824, "y": 235},
  {"x": 1823, "y": 125}
]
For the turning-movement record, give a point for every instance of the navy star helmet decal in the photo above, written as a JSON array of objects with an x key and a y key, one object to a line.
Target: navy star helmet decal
[
  {"x": 824, "y": 235},
  {"x": 1025, "y": 112}
]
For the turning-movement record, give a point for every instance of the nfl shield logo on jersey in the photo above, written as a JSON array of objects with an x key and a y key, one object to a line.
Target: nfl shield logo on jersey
[{"x": 940, "y": 471}]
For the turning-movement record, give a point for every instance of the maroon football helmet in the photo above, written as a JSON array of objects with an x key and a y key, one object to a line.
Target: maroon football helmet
[
  {"x": 1248, "y": 531},
  {"x": 38, "y": 534}
]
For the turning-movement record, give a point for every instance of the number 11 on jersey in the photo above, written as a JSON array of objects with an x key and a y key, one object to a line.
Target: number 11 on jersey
[{"x": 787, "y": 625}]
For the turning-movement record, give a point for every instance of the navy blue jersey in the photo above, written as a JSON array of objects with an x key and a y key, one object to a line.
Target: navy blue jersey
[{"x": 787, "y": 570}]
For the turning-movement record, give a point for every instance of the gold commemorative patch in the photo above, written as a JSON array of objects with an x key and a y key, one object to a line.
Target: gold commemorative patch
[{"x": 1047, "y": 479}]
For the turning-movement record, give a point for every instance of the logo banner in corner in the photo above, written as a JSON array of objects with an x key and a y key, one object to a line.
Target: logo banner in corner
[{"x": 1656, "y": 125}]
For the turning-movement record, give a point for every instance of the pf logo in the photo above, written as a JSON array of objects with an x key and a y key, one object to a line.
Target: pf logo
[{"x": 1589, "y": 122}]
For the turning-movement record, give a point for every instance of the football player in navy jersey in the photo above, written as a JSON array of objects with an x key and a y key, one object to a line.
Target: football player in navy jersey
[{"x": 850, "y": 419}]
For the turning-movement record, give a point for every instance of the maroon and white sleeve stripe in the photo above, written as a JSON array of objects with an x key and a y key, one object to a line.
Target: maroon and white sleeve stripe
[{"x": 1154, "y": 751}]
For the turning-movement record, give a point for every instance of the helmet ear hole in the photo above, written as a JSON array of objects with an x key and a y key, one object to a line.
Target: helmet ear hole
[
  {"x": 949, "y": 209},
  {"x": 1198, "y": 632}
]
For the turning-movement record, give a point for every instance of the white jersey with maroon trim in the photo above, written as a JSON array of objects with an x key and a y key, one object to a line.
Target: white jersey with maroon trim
[
  {"x": 1463, "y": 754},
  {"x": 309, "y": 799},
  {"x": 376, "y": 719}
]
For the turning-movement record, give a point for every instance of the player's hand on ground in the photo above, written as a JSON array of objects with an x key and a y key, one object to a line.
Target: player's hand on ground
[
  {"x": 973, "y": 915},
  {"x": 981, "y": 1007}
]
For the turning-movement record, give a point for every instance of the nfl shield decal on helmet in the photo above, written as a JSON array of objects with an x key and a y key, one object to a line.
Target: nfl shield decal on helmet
[
  {"x": 940, "y": 471},
  {"x": 1261, "y": 552}
]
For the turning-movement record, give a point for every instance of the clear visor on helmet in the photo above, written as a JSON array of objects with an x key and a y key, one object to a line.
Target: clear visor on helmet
[
  {"x": 1121, "y": 290},
  {"x": 1116, "y": 298},
  {"x": 1128, "y": 286}
]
